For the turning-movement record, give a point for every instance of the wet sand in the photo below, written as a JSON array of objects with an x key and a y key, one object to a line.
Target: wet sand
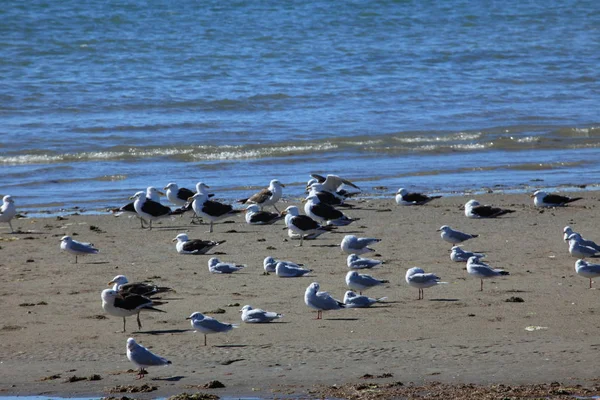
[{"x": 53, "y": 325}]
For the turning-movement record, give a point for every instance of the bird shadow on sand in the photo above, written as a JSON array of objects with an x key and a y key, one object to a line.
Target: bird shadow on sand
[
  {"x": 346, "y": 232},
  {"x": 444, "y": 299},
  {"x": 163, "y": 332},
  {"x": 95, "y": 262},
  {"x": 341, "y": 319},
  {"x": 324, "y": 245},
  {"x": 230, "y": 345},
  {"x": 171, "y": 379}
]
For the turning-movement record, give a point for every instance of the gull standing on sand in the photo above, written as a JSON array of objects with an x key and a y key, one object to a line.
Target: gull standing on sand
[
  {"x": 78, "y": 248},
  {"x": 149, "y": 210},
  {"x": 353, "y": 300},
  {"x": 208, "y": 325},
  {"x": 355, "y": 262},
  {"x": 325, "y": 213},
  {"x": 482, "y": 271},
  {"x": 579, "y": 250},
  {"x": 361, "y": 282},
  {"x": 285, "y": 270},
  {"x": 406, "y": 198},
  {"x": 459, "y": 255},
  {"x": 8, "y": 211},
  {"x": 122, "y": 286},
  {"x": 266, "y": 197},
  {"x": 195, "y": 246},
  {"x": 209, "y": 209},
  {"x": 129, "y": 208},
  {"x": 568, "y": 231},
  {"x": 143, "y": 358},
  {"x": 257, "y": 316},
  {"x": 125, "y": 306},
  {"x": 217, "y": 267},
  {"x": 301, "y": 224},
  {"x": 455, "y": 237},
  {"x": 587, "y": 270},
  {"x": 270, "y": 263},
  {"x": 354, "y": 245},
  {"x": 475, "y": 210},
  {"x": 254, "y": 216},
  {"x": 543, "y": 199},
  {"x": 417, "y": 278},
  {"x": 320, "y": 301}
]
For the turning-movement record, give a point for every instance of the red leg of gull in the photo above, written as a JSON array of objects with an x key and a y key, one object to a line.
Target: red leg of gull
[{"x": 319, "y": 314}]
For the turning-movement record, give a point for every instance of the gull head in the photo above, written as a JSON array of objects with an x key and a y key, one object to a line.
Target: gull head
[
  {"x": 131, "y": 343},
  {"x": 119, "y": 280},
  {"x": 291, "y": 210},
  {"x": 253, "y": 208},
  {"x": 580, "y": 263},
  {"x": 352, "y": 257},
  {"x": 313, "y": 287},
  {"x": 196, "y": 316},
  {"x": 268, "y": 260},
  {"x": 473, "y": 259},
  {"x": 412, "y": 271},
  {"x": 539, "y": 194},
  {"x": 66, "y": 239},
  {"x": 109, "y": 294},
  {"x": 471, "y": 203},
  {"x": 201, "y": 187},
  {"x": 182, "y": 237},
  {"x": 137, "y": 195},
  {"x": 276, "y": 183},
  {"x": 171, "y": 185},
  {"x": 402, "y": 191},
  {"x": 246, "y": 308},
  {"x": 8, "y": 199},
  {"x": 213, "y": 261},
  {"x": 151, "y": 190},
  {"x": 444, "y": 228}
]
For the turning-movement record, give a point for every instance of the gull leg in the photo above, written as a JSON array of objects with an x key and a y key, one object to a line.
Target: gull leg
[
  {"x": 142, "y": 223},
  {"x": 150, "y": 225},
  {"x": 590, "y": 283},
  {"x": 275, "y": 207},
  {"x": 319, "y": 314},
  {"x": 301, "y": 239},
  {"x": 123, "y": 324},
  {"x": 210, "y": 228},
  {"x": 138, "y": 321},
  {"x": 75, "y": 258},
  {"x": 481, "y": 285},
  {"x": 205, "y": 339},
  {"x": 11, "y": 228}
]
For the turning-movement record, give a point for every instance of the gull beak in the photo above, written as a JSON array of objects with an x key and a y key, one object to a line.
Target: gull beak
[
  {"x": 190, "y": 199},
  {"x": 284, "y": 212},
  {"x": 282, "y": 185},
  {"x": 133, "y": 197},
  {"x": 174, "y": 240},
  {"x": 438, "y": 230},
  {"x": 187, "y": 318},
  {"x": 159, "y": 192},
  {"x": 304, "y": 200},
  {"x": 532, "y": 195},
  {"x": 111, "y": 283},
  {"x": 165, "y": 188}
]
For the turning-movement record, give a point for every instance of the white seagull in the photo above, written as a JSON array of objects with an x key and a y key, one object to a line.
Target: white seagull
[
  {"x": 176, "y": 195},
  {"x": 354, "y": 245},
  {"x": 195, "y": 246},
  {"x": 455, "y": 237},
  {"x": 256, "y": 315},
  {"x": 355, "y": 262},
  {"x": 8, "y": 211},
  {"x": 353, "y": 300},
  {"x": 324, "y": 213},
  {"x": 482, "y": 271},
  {"x": 78, "y": 248},
  {"x": 208, "y": 325},
  {"x": 285, "y": 270},
  {"x": 209, "y": 209},
  {"x": 217, "y": 267},
  {"x": 301, "y": 224},
  {"x": 579, "y": 250},
  {"x": 587, "y": 270},
  {"x": 406, "y": 198},
  {"x": 125, "y": 306},
  {"x": 123, "y": 287},
  {"x": 143, "y": 358},
  {"x": 475, "y": 210},
  {"x": 254, "y": 216},
  {"x": 361, "y": 282},
  {"x": 269, "y": 264},
  {"x": 149, "y": 210},
  {"x": 320, "y": 301},
  {"x": 568, "y": 231},
  {"x": 459, "y": 255},
  {"x": 417, "y": 278},
  {"x": 543, "y": 199},
  {"x": 266, "y": 197}
]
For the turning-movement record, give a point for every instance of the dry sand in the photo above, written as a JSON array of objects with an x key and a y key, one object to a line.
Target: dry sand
[{"x": 53, "y": 326}]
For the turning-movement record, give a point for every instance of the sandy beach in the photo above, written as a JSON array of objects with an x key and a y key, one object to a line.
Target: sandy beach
[{"x": 53, "y": 327}]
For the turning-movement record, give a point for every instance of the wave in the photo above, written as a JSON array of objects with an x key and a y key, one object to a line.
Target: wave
[{"x": 399, "y": 143}]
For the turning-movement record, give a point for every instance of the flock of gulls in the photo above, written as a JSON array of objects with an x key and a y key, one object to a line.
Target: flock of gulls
[{"x": 322, "y": 214}]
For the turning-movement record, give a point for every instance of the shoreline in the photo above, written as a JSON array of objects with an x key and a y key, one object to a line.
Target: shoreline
[{"x": 53, "y": 322}]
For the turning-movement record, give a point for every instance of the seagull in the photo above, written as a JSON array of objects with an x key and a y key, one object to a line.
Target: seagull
[
  {"x": 78, "y": 248},
  {"x": 195, "y": 246},
  {"x": 208, "y": 325},
  {"x": 149, "y": 209},
  {"x": 325, "y": 197},
  {"x": 579, "y": 250},
  {"x": 269, "y": 264},
  {"x": 254, "y": 216},
  {"x": 543, "y": 199},
  {"x": 475, "y": 210},
  {"x": 355, "y": 262},
  {"x": 284, "y": 270},
  {"x": 124, "y": 288},
  {"x": 125, "y": 306},
  {"x": 353, "y": 300},
  {"x": 301, "y": 224},
  {"x": 8, "y": 211},
  {"x": 333, "y": 184},
  {"x": 454, "y": 237},
  {"x": 176, "y": 195},
  {"x": 361, "y": 282},
  {"x": 460, "y": 255},
  {"x": 354, "y": 245},
  {"x": 325, "y": 213},
  {"x": 587, "y": 270},
  {"x": 256, "y": 315},
  {"x": 416, "y": 277},
  {"x": 406, "y": 198},
  {"x": 266, "y": 197},
  {"x": 320, "y": 301},
  {"x": 217, "y": 267},
  {"x": 209, "y": 209},
  {"x": 129, "y": 208},
  {"x": 143, "y": 358},
  {"x": 481, "y": 270},
  {"x": 568, "y": 231}
]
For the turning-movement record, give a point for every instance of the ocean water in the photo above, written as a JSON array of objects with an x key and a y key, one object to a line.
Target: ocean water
[{"x": 101, "y": 99}]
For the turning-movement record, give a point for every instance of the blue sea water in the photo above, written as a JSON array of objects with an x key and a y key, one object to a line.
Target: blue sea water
[{"x": 101, "y": 99}]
